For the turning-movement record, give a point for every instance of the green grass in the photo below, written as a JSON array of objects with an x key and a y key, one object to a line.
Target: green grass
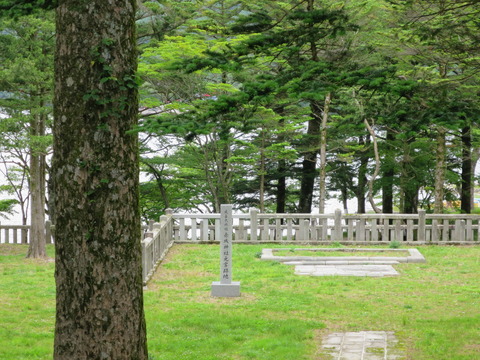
[{"x": 433, "y": 308}]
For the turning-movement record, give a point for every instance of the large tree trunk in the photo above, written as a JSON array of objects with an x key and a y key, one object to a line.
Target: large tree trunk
[
  {"x": 440, "y": 168},
  {"x": 37, "y": 184},
  {"x": 95, "y": 173},
  {"x": 467, "y": 171}
]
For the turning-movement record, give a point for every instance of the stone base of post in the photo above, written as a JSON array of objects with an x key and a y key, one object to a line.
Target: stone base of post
[{"x": 226, "y": 290}]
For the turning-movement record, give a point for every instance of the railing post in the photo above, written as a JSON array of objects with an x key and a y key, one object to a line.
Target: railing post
[
  {"x": 386, "y": 229},
  {"x": 421, "y": 225},
  {"x": 434, "y": 233},
  {"x": 144, "y": 262},
  {"x": 183, "y": 232},
  {"x": 469, "y": 231},
  {"x": 360, "y": 230},
  {"x": 204, "y": 230},
  {"x": 337, "y": 230},
  {"x": 218, "y": 230},
  {"x": 374, "y": 230},
  {"x": 253, "y": 224},
  {"x": 194, "y": 228}
]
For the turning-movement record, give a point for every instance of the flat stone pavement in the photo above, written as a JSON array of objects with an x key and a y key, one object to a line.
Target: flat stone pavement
[
  {"x": 346, "y": 270},
  {"x": 363, "y": 345}
]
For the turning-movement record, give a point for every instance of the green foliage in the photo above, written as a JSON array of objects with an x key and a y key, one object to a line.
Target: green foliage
[
  {"x": 17, "y": 8},
  {"x": 240, "y": 80},
  {"x": 6, "y": 207},
  {"x": 395, "y": 244}
]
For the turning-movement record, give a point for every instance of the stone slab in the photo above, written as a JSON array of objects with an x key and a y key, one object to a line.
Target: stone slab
[
  {"x": 363, "y": 345},
  {"x": 414, "y": 256},
  {"x": 225, "y": 290},
  {"x": 344, "y": 262},
  {"x": 346, "y": 270}
]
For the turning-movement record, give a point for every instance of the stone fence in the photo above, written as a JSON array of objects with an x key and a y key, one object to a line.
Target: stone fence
[
  {"x": 158, "y": 239},
  {"x": 19, "y": 234},
  {"x": 255, "y": 227},
  {"x": 337, "y": 227}
]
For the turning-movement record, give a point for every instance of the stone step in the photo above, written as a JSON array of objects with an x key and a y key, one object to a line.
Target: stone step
[{"x": 342, "y": 262}]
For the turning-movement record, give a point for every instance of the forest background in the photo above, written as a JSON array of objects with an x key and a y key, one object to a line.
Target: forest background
[{"x": 274, "y": 105}]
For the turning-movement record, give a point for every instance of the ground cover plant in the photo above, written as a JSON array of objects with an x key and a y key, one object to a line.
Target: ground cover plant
[{"x": 431, "y": 307}]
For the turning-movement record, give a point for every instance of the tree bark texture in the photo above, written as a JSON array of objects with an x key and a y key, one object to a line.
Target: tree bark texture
[
  {"x": 362, "y": 176},
  {"x": 377, "y": 167},
  {"x": 409, "y": 185},
  {"x": 37, "y": 185},
  {"x": 440, "y": 169},
  {"x": 323, "y": 155},
  {"x": 281, "y": 197},
  {"x": 388, "y": 174},
  {"x": 467, "y": 171},
  {"x": 95, "y": 179},
  {"x": 309, "y": 164}
]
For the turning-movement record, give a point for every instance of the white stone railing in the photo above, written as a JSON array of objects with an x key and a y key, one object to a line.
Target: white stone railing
[
  {"x": 157, "y": 241},
  {"x": 19, "y": 234},
  {"x": 337, "y": 227}
]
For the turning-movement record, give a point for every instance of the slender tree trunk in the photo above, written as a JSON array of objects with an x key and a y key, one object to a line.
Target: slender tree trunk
[
  {"x": 387, "y": 177},
  {"x": 467, "y": 171},
  {"x": 323, "y": 155},
  {"x": 95, "y": 173},
  {"x": 410, "y": 200},
  {"x": 159, "y": 180},
  {"x": 362, "y": 178},
  {"x": 281, "y": 187},
  {"x": 37, "y": 184},
  {"x": 281, "y": 190},
  {"x": 408, "y": 182},
  {"x": 377, "y": 167},
  {"x": 262, "y": 173},
  {"x": 440, "y": 168}
]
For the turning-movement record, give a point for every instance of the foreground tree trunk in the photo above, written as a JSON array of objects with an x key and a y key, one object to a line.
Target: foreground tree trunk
[{"x": 95, "y": 175}]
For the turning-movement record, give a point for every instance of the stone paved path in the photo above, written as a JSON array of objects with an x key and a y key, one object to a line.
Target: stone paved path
[
  {"x": 363, "y": 345},
  {"x": 346, "y": 270}
]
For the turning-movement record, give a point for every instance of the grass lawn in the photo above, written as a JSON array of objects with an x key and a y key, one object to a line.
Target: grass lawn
[{"x": 433, "y": 308}]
